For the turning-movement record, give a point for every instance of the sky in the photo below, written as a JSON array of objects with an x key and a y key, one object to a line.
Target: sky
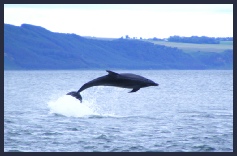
[{"x": 134, "y": 20}]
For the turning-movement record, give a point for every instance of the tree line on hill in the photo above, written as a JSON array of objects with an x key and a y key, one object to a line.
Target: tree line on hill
[
  {"x": 199, "y": 40},
  {"x": 192, "y": 39}
]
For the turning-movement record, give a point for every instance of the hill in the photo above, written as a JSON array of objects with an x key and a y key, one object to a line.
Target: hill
[{"x": 33, "y": 47}]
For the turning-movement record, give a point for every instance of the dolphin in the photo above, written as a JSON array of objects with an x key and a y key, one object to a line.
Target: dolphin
[{"x": 123, "y": 80}]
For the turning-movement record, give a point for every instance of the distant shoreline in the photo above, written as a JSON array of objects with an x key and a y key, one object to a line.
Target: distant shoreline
[{"x": 29, "y": 47}]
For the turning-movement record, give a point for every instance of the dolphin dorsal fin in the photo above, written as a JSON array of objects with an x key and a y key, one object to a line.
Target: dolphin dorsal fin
[{"x": 112, "y": 73}]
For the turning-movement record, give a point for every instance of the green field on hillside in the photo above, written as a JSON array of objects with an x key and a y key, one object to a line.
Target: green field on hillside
[
  {"x": 186, "y": 47},
  {"x": 190, "y": 47}
]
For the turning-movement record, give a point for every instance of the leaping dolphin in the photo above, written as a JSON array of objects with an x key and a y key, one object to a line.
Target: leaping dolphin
[{"x": 123, "y": 80}]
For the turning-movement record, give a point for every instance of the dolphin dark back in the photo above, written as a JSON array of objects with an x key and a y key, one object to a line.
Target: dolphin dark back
[{"x": 123, "y": 80}]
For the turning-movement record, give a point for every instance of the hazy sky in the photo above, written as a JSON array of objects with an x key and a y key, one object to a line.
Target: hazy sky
[{"x": 135, "y": 20}]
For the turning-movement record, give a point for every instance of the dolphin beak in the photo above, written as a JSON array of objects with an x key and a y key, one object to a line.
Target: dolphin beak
[{"x": 154, "y": 84}]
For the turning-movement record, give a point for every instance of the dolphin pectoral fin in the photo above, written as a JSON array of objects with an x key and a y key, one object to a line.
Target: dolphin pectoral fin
[{"x": 134, "y": 90}]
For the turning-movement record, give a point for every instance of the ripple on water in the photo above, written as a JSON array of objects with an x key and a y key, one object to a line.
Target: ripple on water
[
  {"x": 14, "y": 151},
  {"x": 203, "y": 148}
]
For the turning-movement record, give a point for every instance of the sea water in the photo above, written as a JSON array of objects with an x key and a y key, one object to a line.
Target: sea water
[{"x": 190, "y": 111}]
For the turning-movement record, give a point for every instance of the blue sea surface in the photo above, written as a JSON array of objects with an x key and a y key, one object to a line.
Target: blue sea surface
[{"x": 190, "y": 111}]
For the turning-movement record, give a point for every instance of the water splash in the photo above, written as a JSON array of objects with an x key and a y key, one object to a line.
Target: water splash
[{"x": 70, "y": 107}]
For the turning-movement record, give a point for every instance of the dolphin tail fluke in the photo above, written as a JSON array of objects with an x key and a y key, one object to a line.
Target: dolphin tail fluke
[{"x": 77, "y": 95}]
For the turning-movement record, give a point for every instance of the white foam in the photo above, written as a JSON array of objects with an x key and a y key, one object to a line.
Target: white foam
[{"x": 70, "y": 107}]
